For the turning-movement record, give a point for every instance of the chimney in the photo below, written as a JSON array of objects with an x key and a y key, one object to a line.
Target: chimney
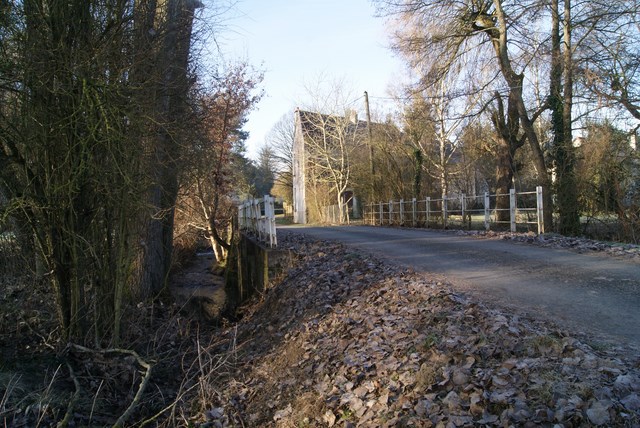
[{"x": 353, "y": 117}]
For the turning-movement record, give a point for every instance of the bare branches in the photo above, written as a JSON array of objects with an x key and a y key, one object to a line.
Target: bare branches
[
  {"x": 146, "y": 375},
  {"x": 212, "y": 158}
]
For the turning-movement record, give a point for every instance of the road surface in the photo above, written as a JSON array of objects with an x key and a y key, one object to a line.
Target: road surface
[{"x": 591, "y": 294}]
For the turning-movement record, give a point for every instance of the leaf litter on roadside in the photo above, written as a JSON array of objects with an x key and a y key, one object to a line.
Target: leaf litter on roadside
[{"x": 345, "y": 340}]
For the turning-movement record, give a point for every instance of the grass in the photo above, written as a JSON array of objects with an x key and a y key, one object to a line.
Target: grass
[
  {"x": 546, "y": 344},
  {"x": 283, "y": 219},
  {"x": 346, "y": 415},
  {"x": 431, "y": 340}
]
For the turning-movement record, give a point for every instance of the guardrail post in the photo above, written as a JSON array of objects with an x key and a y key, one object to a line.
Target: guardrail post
[
  {"x": 414, "y": 209},
  {"x": 462, "y": 207},
  {"x": 512, "y": 208},
  {"x": 402, "y": 212},
  {"x": 487, "y": 211},
  {"x": 390, "y": 211},
  {"x": 540, "y": 209},
  {"x": 381, "y": 213}
]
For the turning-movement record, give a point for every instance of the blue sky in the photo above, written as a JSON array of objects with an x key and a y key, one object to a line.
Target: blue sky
[{"x": 297, "y": 41}]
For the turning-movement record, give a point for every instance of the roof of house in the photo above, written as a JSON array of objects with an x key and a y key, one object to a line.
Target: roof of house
[{"x": 315, "y": 123}]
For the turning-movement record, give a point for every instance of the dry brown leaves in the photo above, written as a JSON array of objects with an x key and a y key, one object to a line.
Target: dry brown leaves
[
  {"x": 345, "y": 340},
  {"x": 551, "y": 240}
]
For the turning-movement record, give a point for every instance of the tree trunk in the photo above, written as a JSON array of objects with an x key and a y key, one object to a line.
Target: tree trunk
[
  {"x": 172, "y": 60},
  {"x": 504, "y": 180},
  {"x": 515, "y": 81},
  {"x": 561, "y": 105},
  {"x": 507, "y": 130}
]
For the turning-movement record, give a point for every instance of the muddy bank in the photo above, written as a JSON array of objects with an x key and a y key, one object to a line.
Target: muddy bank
[{"x": 199, "y": 288}]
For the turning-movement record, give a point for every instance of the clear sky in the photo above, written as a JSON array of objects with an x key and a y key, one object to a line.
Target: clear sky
[{"x": 296, "y": 41}]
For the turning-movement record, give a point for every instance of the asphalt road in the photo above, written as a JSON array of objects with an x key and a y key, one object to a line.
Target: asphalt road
[{"x": 592, "y": 294}]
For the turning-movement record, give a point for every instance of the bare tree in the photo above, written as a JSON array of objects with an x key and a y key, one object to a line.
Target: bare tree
[
  {"x": 214, "y": 166},
  {"x": 330, "y": 141},
  {"x": 608, "y": 181},
  {"x": 609, "y": 65},
  {"x": 70, "y": 168},
  {"x": 597, "y": 37},
  {"x": 332, "y": 133},
  {"x": 92, "y": 103},
  {"x": 280, "y": 140},
  {"x": 419, "y": 128},
  {"x": 472, "y": 32}
]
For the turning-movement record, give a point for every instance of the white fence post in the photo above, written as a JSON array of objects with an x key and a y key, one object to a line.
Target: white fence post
[
  {"x": 414, "y": 209},
  {"x": 402, "y": 212},
  {"x": 381, "y": 214},
  {"x": 540, "y": 209},
  {"x": 270, "y": 218},
  {"x": 462, "y": 207},
  {"x": 512, "y": 208},
  {"x": 390, "y": 211},
  {"x": 487, "y": 211}
]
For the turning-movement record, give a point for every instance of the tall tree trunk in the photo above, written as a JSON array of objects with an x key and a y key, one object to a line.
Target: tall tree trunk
[
  {"x": 171, "y": 93},
  {"x": 569, "y": 219},
  {"x": 561, "y": 103},
  {"x": 515, "y": 82},
  {"x": 507, "y": 130}
]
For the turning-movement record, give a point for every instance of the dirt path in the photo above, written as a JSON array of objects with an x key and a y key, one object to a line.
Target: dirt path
[{"x": 591, "y": 294}]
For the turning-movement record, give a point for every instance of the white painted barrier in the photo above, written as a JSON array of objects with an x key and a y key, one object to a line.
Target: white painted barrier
[
  {"x": 257, "y": 216},
  {"x": 524, "y": 208}
]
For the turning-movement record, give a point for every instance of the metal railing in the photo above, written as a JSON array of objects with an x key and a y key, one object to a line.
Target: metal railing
[
  {"x": 257, "y": 216},
  {"x": 525, "y": 208}
]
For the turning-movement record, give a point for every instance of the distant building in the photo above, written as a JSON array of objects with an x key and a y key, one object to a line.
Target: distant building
[{"x": 322, "y": 150}]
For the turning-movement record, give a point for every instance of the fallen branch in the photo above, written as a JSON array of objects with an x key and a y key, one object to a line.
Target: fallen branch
[
  {"x": 143, "y": 383},
  {"x": 72, "y": 403}
]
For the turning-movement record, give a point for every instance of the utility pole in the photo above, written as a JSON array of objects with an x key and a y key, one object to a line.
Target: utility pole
[{"x": 369, "y": 134}]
